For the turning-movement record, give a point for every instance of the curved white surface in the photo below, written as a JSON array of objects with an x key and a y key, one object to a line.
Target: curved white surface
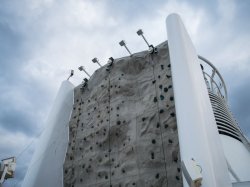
[
  {"x": 197, "y": 130},
  {"x": 46, "y": 168},
  {"x": 238, "y": 157}
]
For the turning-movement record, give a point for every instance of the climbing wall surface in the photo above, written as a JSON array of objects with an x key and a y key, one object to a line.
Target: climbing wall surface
[{"x": 123, "y": 129}]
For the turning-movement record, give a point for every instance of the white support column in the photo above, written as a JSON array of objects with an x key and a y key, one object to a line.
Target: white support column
[
  {"x": 197, "y": 130},
  {"x": 46, "y": 167}
]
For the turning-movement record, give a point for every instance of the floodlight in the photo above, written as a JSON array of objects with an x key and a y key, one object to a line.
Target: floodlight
[
  {"x": 122, "y": 43},
  {"x": 95, "y": 60},
  {"x": 139, "y": 32},
  {"x": 81, "y": 68},
  {"x": 71, "y": 74}
]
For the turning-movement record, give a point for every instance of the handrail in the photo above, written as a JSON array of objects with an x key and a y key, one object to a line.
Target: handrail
[{"x": 215, "y": 72}]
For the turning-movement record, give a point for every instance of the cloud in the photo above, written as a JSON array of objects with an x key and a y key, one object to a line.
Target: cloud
[{"x": 40, "y": 41}]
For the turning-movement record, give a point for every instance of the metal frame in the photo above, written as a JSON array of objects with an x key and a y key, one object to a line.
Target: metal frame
[{"x": 212, "y": 80}]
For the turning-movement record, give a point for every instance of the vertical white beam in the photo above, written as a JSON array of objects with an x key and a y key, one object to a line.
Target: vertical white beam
[
  {"x": 197, "y": 130},
  {"x": 46, "y": 167}
]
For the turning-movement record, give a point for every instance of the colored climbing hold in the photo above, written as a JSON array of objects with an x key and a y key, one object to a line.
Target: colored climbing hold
[
  {"x": 162, "y": 97},
  {"x": 155, "y": 99},
  {"x": 172, "y": 114}
]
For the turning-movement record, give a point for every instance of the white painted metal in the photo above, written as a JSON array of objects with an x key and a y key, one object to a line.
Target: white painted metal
[
  {"x": 238, "y": 157},
  {"x": 46, "y": 168},
  {"x": 197, "y": 130}
]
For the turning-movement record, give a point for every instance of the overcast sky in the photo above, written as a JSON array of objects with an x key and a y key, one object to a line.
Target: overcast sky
[{"x": 41, "y": 40}]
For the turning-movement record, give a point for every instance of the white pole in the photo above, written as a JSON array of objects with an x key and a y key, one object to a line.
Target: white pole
[{"x": 197, "y": 130}]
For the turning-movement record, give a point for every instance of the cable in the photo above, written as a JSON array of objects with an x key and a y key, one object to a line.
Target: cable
[{"x": 32, "y": 141}]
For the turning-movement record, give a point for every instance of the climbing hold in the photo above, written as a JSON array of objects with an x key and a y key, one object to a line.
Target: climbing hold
[
  {"x": 153, "y": 81},
  {"x": 159, "y": 76},
  {"x": 160, "y": 86},
  {"x": 155, "y": 99},
  {"x": 177, "y": 178},
  {"x": 143, "y": 119},
  {"x": 170, "y": 141},
  {"x": 118, "y": 122},
  {"x": 170, "y": 86},
  {"x": 161, "y": 111},
  {"x": 168, "y": 76},
  {"x": 152, "y": 156},
  {"x": 158, "y": 125},
  {"x": 176, "y": 159},
  {"x": 157, "y": 176},
  {"x": 162, "y": 67},
  {"x": 169, "y": 65},
  {"x": 165, "y": 89},
  {"x": 166, "y": 126},
  {"x": 171, "y": 98},
  {"x": 172, "y": 114},
  {"x": 162, "y": 97},
  {"x": 153, "y": 141}
]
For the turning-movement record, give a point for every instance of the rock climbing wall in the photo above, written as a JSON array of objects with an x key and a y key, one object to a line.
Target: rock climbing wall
[{"x": 123, "y": 129}]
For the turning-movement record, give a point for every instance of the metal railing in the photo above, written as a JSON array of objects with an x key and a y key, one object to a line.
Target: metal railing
[{"x": 214, "y": 81}]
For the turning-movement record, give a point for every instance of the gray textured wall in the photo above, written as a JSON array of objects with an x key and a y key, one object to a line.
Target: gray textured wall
[{"x": 123, "y": 129}]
